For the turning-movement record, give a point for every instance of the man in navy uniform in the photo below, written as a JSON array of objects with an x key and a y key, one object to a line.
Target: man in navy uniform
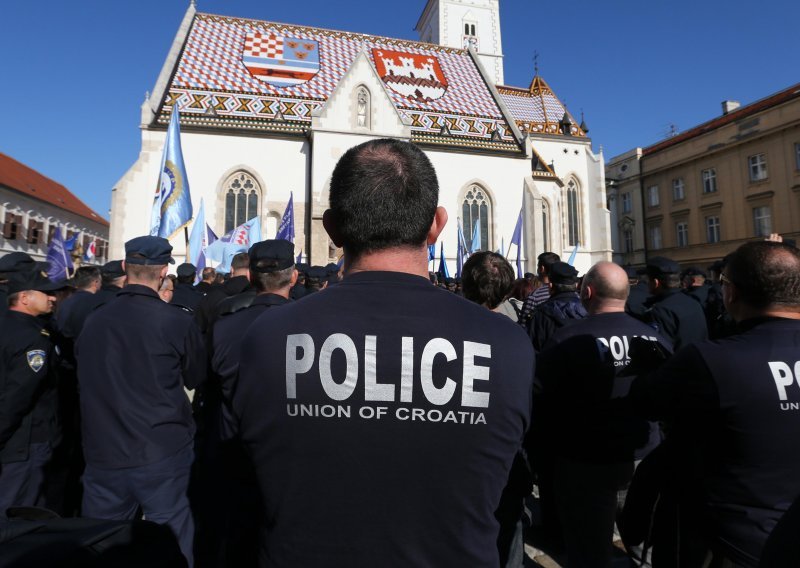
[
  {"x": 28, "y": 399},
  {"x": 12, "y": 264},
  {"x": 185, "y": 294},
  {"x": 562, "y": 308},
  {"x": 135, "y": 356},
  {"x": 676, "y": 316},
  {"x": 731, "y": 406},
  {"x": 383, "y": 432},
  {"x": 595, "y": 443}
]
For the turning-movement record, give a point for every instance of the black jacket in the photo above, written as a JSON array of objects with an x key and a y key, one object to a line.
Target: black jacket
[
  {"x": 677, "y": 317},
  {"x": 555, "y": 313}
]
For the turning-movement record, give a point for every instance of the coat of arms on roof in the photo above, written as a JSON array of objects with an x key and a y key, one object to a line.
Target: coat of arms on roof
[
  {"x": 415, "y": 76},
  {"x": 280, "y": 61}
]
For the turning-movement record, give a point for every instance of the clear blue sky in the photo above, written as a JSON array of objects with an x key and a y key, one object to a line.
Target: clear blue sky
[{"x": 73, "y": 74}]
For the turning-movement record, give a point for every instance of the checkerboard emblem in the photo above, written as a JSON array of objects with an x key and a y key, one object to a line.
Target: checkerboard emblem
[
  {"x": 418, "y": 77},
  {"x": 280, "y": 61},
  {"x": 36, "y": 359}
]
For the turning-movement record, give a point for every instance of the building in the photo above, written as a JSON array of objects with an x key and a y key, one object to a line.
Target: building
[
  {"x": 267, "y": 109},
  {"x": 698, "y": 195},
  {"x": 33, "y": 207}
]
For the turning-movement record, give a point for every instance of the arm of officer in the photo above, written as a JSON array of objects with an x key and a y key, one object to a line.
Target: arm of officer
[
  {"x": 194, "y": 362},
  {"x": 23, "y": 387},
  {"x": 665, "y": 320},
  {"x": 680, "y": 388}
]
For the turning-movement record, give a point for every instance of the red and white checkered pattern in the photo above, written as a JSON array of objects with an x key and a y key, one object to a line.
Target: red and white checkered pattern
[
  {"x": 260, "y": 45},
  {"x": 211, "y": 65}
]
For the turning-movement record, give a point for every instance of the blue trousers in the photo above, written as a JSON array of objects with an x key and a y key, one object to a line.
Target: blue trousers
[
  {"x": 160, "y": 489},
  {"x": 22, "y": 483}
]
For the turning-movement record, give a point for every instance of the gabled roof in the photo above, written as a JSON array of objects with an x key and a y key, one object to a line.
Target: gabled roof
[
  {"x": 776, "y": 99},
  {"x": 19, "y": 177},
  {"x": 224, "y": 66},
  {"x": 537, "y": 109}
]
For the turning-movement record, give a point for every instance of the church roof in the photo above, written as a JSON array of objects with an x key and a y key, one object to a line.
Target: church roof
[
  {"x": 19, "y": 177},
  {"x": 268, "y": 76},
  {"x": 537, "y": 109}
]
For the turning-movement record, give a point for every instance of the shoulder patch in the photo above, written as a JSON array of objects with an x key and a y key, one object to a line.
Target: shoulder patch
[
  {"x": 36, "y": 359},
  {"x": 45, "y": 333}
]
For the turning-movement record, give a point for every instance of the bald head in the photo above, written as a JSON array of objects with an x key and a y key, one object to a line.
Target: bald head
[{"x": 605, "y": 288}]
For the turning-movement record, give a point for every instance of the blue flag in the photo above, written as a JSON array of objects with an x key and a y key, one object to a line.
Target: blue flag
[
  {"x": 286, "y": 230},
  {"x": 475, "y": 245},
  {"x": 431, "y": 252},
  {"x": 239, "y": 240},
  {"x": 69, "y": 244},
  {"x": 462, "y": 251},
  {"x": 201, "y": 262},
  {"x": 516, "y": 239},
  {"x": 571, "y": 260},
  {"x": 60, "y": 262},
  {"x": 299, "y": 258},
  {"x": 172, "y": 205},
  {"x": 442, "y": 264},
  {"x": 198, "y": 238}
]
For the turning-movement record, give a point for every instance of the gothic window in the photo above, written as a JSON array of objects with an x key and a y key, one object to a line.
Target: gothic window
[
  {"x": 573, "y": 214},
  {"x": 362, "y": 108},
  {"x": 476, "y": 209},
  {"x": 242, "y": 196}
]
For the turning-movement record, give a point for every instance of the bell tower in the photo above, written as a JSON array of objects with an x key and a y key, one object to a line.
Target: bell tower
[{"x": 466, "y": 23}]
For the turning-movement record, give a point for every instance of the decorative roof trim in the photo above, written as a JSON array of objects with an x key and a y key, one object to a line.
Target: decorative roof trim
[
  {"x": 507, "y": 116},
  {"x": 537, "y": 89}
]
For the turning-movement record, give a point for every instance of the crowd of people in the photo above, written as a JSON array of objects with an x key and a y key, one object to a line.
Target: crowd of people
[{"x": 357, "y": 415}]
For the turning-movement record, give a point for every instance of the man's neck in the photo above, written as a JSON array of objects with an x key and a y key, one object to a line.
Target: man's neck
[
  {"x": 282, "y": 292},
  {"x": 154, "y": 286},
  {"x": 19, "y": 309},
  {"x": 399, "y": 259},
  {"x": 599, "y": 309},
  {"x": 746, "y": 313}
]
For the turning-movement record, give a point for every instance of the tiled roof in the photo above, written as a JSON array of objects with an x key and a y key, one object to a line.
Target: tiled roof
[
  {"x": 537, "y": 109},
  {"x": 23, "y": 179},
  {"x": 225, "y": 65},
  {"x": 778, "y": 98}
]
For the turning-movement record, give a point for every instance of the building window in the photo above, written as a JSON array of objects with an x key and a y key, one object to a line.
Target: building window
[
  {"x": 35, "y": 232},
  {"x": 627, "y": 202},
  {"x": 678, "y": 189},
  {"x": 709, "y": 180},
  {"x": 546, "y": 225},
  {"x": 682, "y": 234},
  {"x": 627, "y": 239},
  {"x": 762, "y": 221},
  {"x": 655, "y": 237},
  {"x": 758, "y": 167},
  {"x": 573, "y": 216},
  {"x": 242, "y": 199},
  {"x": 102, "y": 250},
  {"x": 712, "y": 229},
  {"x": 652, "y": 196},
  {"x": 797, "y": 156},
  {"x": 476, "y": 209},
  {"x": 470, "y": 29},
  {"x": 12, "y": 227}
]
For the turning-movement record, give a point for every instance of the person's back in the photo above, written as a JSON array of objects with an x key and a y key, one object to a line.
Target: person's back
[{"x": 383, "y": 433}]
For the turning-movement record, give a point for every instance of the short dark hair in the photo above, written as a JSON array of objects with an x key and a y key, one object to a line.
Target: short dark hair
[
  {"x": 487, "y": 279},
  {"x": 13, "y": 299},
  {"x": 383, "y": 194},
  {"x": 209, "y": 274},
  {"x": 765, "y": 274},
  {"x": 271, "y": 281},
  {"x": 85, "y": 276},
  {"x": 547, "y": 259},
  {"x": 522, "y": 288},
  {"x": 562, "y": 288},
  {"x": 144, "y": 272},
  {"x": 240, "y": 261}
]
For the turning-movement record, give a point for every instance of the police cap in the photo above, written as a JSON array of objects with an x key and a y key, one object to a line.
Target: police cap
[
  {"x": 332, "y": 268},
  {"x": 20, "y": 262},
  {"x": 694, "y": 271},
  {"x": 112, "y": 269},
  {"x": 661, "y": 266},
  {"x": 186, "y": 269},
  {"x": 317, "y": 273},
  {"x": 23, "y": 281},
  {"x": 271, "y": 256},
  {"x": 563, "y": 273},
  {"x": 154, "y": 251}
]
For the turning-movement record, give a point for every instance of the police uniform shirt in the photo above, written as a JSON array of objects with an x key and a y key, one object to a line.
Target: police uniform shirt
[
  {"x": 135, "y": 355},
  {"x": 732, "y": 407},
  {"x": 186, "y": 296},
  {"x": 637, "y": 297},
  {"x": 677, "y": 317},
  {"x": 383, "y": 433},
  {"x": 581, "y": 373},
  {"x": 28, "y": 400}
]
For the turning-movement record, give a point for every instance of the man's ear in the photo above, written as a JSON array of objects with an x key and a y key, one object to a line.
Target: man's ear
[
  {"x": 329, "y": 222},
  {"x": 164, "y": 271},
  {"x": 293, "y": 281},
  {"x": 437, "y": 225}
]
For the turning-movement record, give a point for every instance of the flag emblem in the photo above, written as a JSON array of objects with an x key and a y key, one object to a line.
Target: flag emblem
[
  {"x": 280, "y": 61},
  {"x": 36, "y": 359},
  {"x": 418, "y": 77}
]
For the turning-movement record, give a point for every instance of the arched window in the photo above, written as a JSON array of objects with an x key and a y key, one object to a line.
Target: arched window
[
  {"x": 573, "y": 214},
  {"x": 242, "y": 197},
  {"x": 545, "y": 225},
  {"x": 477, "y": 209},
  {"x": 363, "y": 110}
]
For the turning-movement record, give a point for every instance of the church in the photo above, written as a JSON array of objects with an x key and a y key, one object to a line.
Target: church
[{"x": 267, "y": 109}]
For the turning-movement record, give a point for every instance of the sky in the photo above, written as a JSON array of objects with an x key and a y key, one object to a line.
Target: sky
[{"x": 73, "y": 74}]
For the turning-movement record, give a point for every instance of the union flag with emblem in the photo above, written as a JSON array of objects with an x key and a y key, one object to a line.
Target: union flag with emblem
[{"x": 280, "y": 61}]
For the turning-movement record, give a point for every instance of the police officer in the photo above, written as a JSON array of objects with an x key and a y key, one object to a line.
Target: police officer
[
  {"x": 638, "y": 294},
  {"x": 563, "y": 306},
  {"x": 676, "y": 316},
  {"x": 15, "y": 263},
  {"x": 401, "y": 418},
  {"x": 595, "y": 443},
  {"x": 185, "y": 294},
  {"x": 137, "y": 422},
  {"x": 28, "y": 399},
  {"x": 73, "y": 311},
  {"x": 731, "y": 408},
  {"x": 113, "y": 276}
]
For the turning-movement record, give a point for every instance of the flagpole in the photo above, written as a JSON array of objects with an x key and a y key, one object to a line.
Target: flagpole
[{"x": 186, "y": 240}]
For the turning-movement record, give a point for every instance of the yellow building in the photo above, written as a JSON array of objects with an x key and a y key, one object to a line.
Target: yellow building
[{"x": 700, "y": 194}]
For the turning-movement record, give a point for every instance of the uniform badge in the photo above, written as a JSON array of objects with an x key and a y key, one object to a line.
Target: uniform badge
[{"x": 36, "y": 360}]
